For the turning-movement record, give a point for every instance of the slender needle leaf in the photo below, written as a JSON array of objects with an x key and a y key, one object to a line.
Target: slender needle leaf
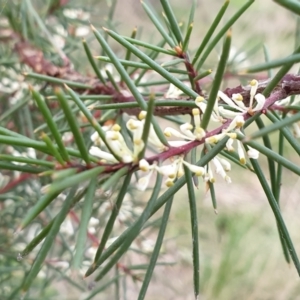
[
  {"x": 131, "y": 234},
  {"x": 41, "y": 256},
  {"x": 217, "y": 81},
  {"x": 92, "y": 62},
  {"x": 128, "y": 53},
  {"x": 27, "y": 160},
  {"x": 221, "y": 33},
  {"x": 57, "y": 80},
  {"x": 275, "y": 126},
  {"x": 156, "y": 250},
  {"x": 276, "y": 79},
  {"x": 157, "y": 24},
  {"x": 51, "y": 124},
  {"x": 83, "y": 226},
  {"x": 75, "y": 179},
  {"x": 286, "y": 132},
  {"x": 159, "y": 203},
  {"x": 73, "y": 125},
  {"x": 150, "y": 46},
  {"x": 55, "y": 189},
  {"x": 147, "y": 125},
  {"x": 172, "y": 20},
  {"x": 213, "y": 196},
  {"x": 156, "y": 67},
  {"x": 130, "y": 84},
  {"x": 91, "y": 119},
  {"x": 114, "y": 179},
  {"x": 272, "y": 64},
  {"x": 277, "y": 213},
  {"x": 210, "y": 31},
  {"x": 186, "y": 41},
  {"x": 293, "y": 6},
  {"x": 115, "y": 211},
  {"x": 275, "y": 156},
  {"x": 52, "y": 148},
  {"x": 194, "y": 227},
  {"x": 203, "y": 74}
]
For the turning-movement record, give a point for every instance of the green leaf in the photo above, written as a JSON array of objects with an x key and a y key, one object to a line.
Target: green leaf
[
  {"x": 155, "y": 66},
  {"x": 92, "y": 62},
  {"x": 112, "y": 80},
  {"x": 103, "y": 287},
  {"x": 194, "y": 228},
  {"x": 26, "y": 169},
  {"x": 277, "y": 213},
  {"x": 130, "y": 234},
  {"x": 78, "y": 138},
  {"x": 210, "y": 32},
  {"x": 114, "y": 178},
  {"x": 83, "y": 225},
  {"x": 128, "y": 53},
  {"x": 49, "y": 240},
  {"x": 213, "y": 195},
  {"x": 45, "y": 231},
  {"x": 157, "y": 24},
  {"x": 91, "y": 119},
  {"x": 52, "y": 148},
  {"x": 57, "y": 80},
  {"x": 55, "y": 189},
  {"x": 147, "y": 125},
  {"x": 275, "y": 156},
  {"x": 286, "y": 132},
  {"x": 126, "y": 78},
  {"x": 139, "y": 65},
  {"x": 272, "y": 64},
  {"x": 203, "y": 74},
  {"x": 222, "y": 32},
  {"x": 20, "y": 140},
  {"x": 158, "y": 204},
  {"x": 153, "y": 261},
  {"x": 276, "y": 79},
  {"x": 27, "y": 160},
  {"x": 186, "y": 41},
  {"x": 217, "y": 82},
  {"x": 75, "y": 179},
  {"x": 150, "y": 46},
  {"x": 293, "y": 6},
  {"x": 172, "y": 20},
  {"x": 174, "y": 103},
  {"x": 275, "y": 126},
  {"x": 109, "y": 226}
]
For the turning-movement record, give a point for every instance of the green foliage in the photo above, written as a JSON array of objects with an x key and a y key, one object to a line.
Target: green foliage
[{"x": 89, "y": 170}]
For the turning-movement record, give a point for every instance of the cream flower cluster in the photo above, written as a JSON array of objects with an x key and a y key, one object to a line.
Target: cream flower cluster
[
  {"x": 187, "y": 132},
  {"x": 172, "y": 171},
  {"x": 117, "y": 144}
]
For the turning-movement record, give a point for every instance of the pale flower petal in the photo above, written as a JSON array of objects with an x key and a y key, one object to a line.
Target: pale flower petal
[{"x": 252, "y": 153}]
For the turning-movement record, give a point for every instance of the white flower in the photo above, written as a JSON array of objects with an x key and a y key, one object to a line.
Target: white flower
[
  {"x": 186, "y": 129},
  {"x": 252, "y": 153},
  {"x": 237, "y": 102},
  {"x": 136, "y": 127},
  {"x": 117, "y": 144},
  {"x": 220, "y": 170},
  {"x": 199, "y": 171},
  {"x": 174, "y": 92},
  {"x": 241, "y": 152},
  {"x": 95, "y": 151},
  {"x": 144, "y": 165}
]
